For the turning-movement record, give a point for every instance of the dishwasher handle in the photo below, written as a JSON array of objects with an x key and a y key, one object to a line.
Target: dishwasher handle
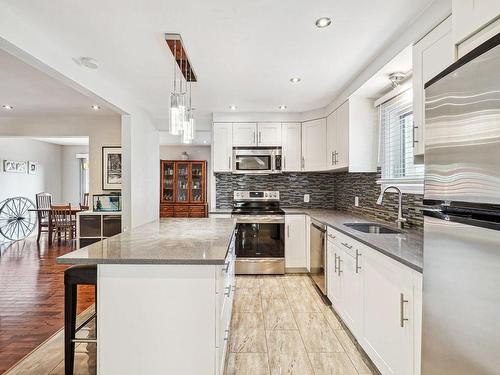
[{"x": 322, "y": 229}]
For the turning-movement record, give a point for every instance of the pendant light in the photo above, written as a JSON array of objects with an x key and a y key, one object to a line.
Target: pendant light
[{"x": 175, "y": 124}]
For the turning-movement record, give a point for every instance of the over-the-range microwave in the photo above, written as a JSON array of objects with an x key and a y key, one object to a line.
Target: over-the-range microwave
[{"x": 257, "y": 160}]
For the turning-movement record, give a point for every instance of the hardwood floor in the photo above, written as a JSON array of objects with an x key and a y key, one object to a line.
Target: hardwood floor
[{"x": 32, "y": 297}]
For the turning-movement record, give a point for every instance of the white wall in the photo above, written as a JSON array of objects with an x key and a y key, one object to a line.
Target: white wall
[
  {"x": 141, "y": 166},
  {"x": 47, "y": 178},
  {"x": 70, "y": 173},
  {"x": 101, "y": 131},
  {"x": 171, "y": 152}
]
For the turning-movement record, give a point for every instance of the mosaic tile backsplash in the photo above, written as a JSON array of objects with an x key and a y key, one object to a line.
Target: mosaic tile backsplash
[
  {"x": 327, "y": 190},
  {"x": 364, "y": 186},
  {"x": 292, "y": 187}
]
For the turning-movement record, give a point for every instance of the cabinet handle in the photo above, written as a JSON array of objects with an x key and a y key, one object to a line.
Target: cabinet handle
[
  {"x": 260, "y": 137},
  {"x": 336, "y": 268},
  {"x": 303, "y": 162},
  {"x": 340, "y": 271},
  {"x": 226, "y": 268},
  {"x": 346, "y": 245},
  {"x": 331, "y": 236},
  {"x": 402, "y": 302},
  {"x": 358, "y": 267},
  {"x": 284, "y": 162},
  {"x": 226, "y": 336},
  {"x": 413, "y": 134},
  {"x": 228, "y": 291},
  {"x": 254, "y": 137},
  {"x": 229, "y": 162},
  {"x": 288, "y": 231}
]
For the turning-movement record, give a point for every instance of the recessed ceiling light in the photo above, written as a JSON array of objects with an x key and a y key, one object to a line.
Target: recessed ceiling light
[
  {"x": 7, "y": 107},
  {"x": 233, "y": 107},
  {"x": 295, "y": 79},
  {"x": 87, "y": 62},
  {"x": 282, "y": 107},
  {"x": 95, "y": 107},
  {"x": 323, "y": 22}
]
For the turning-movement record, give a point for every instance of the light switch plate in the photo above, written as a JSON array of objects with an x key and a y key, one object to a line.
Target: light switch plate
[
  {"x": 306, "y": 198},
  {"x": 356, "y": 201}
]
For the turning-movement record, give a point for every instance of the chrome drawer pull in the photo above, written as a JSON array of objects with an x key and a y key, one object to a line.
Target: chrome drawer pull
[
  {"x": 228, "y": 291},
  {"x": 226, "y": 337},
  {"x": 358, "y": 267},
  {"x": 340, "y": 271},
  {"x": 335, "y": 263},
  {"x": 402, "y": 302},
  {"x": 346, "y": 245}
]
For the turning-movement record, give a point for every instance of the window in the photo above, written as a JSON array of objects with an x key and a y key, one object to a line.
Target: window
[{"x": 396, "y": 143}]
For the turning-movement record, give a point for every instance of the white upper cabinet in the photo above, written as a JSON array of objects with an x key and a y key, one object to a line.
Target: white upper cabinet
[
  {"x": 473, "y": 22},
  {"x": 295, "y": 241},
  {"x": 431, "y": 55},
  {"x": 252, "y": 135},
  {"x": 269, "y": 134},
  {"x": 222, "y": 147},
  {"x": 292, "y": 146},
  {"x": 314, "y": 145},
  {"x": 245, "y": 134},
  {"x": 352, "y": 137}
]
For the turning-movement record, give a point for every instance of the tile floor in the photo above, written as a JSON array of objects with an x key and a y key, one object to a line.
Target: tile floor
[{"x": 280, "y": 326}]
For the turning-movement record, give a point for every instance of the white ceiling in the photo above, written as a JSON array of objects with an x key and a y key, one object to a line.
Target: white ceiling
[
  {"x": 244, "y": 52},
  {"x": 65, "y": 141},
  {"x": 32, "y": 92}
]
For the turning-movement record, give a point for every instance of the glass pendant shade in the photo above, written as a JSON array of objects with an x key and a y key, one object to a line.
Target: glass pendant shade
[{"x": 177, "y": 113}]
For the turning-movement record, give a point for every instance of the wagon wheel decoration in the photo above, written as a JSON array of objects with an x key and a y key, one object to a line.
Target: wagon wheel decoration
[{"x": 16, "y": 221}]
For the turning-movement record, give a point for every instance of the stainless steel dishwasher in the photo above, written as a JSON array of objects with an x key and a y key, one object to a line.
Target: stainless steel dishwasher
[{"x": 318, "y": 254}]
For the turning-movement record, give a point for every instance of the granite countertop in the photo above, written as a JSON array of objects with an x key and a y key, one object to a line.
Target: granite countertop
[
  {"x": 406, "y": 248},
  {"x": 164, "y": 241}
]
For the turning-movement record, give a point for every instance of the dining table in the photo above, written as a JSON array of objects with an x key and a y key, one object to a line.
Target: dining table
[{"x": 40, "y": 211}]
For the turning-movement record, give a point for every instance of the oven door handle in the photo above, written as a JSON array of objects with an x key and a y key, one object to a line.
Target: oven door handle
[{"x": 260, "y": 219}]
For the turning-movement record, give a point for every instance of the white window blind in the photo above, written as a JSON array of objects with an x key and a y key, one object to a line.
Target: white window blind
[{"x": 396, "y": 126}]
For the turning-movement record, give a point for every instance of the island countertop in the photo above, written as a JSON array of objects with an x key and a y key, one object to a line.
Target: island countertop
[{"x": 164, "y": 241}]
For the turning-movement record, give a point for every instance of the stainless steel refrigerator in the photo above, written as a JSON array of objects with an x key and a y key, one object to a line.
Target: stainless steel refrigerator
[{"x": 461, "y": 296}]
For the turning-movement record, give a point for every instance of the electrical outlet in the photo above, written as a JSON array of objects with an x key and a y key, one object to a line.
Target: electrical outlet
[
  {"x": 356, "y": 201},
  {"x": 306, "y": 198}
]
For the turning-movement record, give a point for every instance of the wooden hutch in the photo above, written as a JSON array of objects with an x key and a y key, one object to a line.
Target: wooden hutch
[{"x": 183, "y": 188}]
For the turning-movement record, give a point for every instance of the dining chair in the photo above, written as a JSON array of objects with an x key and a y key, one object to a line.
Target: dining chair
[
  {"x": 43, "y": 201},
  {"x": 63, "y": 222}
]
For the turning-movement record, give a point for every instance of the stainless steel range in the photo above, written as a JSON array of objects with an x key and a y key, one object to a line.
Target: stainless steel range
[{"x": 260, "y": 240}]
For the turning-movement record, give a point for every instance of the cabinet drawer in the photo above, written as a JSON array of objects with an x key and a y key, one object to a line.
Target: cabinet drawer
[
  {"x": 111, "y": 225},
  {"x": 344, "y": 242},
  {"x": 197, "y": 211},
  {"x": 90, "y": 225}
]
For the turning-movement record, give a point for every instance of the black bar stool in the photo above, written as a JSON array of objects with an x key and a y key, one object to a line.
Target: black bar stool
[{"x": 74, "y": 276}]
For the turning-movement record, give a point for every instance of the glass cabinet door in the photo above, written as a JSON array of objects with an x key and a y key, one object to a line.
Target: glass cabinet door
[
  {"x": 197, "y": 183},
  {"x": 182, "y": 182},
  {"x": 168, "y": 182}
]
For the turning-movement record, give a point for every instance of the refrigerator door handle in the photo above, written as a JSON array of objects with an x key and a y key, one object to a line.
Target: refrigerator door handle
[{"x": 471, "y": 218}]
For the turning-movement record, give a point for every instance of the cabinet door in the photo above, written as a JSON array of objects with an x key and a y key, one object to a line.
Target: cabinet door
[
  {"x": 182, "y": 188},
  {"x": 197, "y": 182},
  {"x": 167, "y": 177},
  {"x": 295, "y": 241},
  {"x": 222, "y": 147},
  {"x": 351, "y": 291},
  {"x": 470, "y": 16},
  {"x": 342, "y": 141},
  {"x": 388, "y": 316},
  {"x": 269, "y": 134},
  {"x": 331, "y": 139},
  {"x": 292, "y": 151},
  {"x": 244, "y": 134},
  {"x": 431, "y": 55},
  {"x": 314, "y": 145},
  {"x": 333, "y": 280}
]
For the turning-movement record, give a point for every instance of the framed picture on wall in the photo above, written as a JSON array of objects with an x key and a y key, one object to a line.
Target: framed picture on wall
[
  {"x": 13, "y": 166},
  {"x": 32, "y": 167},
  {"x": 111, "y": 168}
]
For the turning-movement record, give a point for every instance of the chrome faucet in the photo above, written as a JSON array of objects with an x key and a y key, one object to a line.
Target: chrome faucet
[{"x": 400, "y": 220}]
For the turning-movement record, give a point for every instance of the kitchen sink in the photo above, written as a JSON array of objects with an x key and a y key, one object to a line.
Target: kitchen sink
[{"x": 373, "y": 228}]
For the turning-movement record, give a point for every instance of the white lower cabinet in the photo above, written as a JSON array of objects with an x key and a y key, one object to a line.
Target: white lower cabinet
[
  {"x": 379, "y": 299},
  {"x": 295, "y": 241}
]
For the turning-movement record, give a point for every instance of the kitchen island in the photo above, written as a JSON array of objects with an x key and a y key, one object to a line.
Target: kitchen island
[{"x": 164, "y": 296}]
